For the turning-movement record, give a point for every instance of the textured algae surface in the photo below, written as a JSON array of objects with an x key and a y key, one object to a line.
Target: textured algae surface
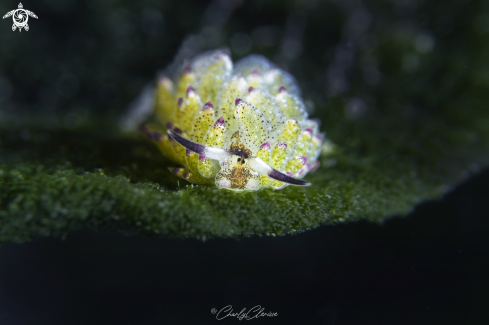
[
  {"x": 63, "y": 180},
  {"x": 426, "y": 127}
]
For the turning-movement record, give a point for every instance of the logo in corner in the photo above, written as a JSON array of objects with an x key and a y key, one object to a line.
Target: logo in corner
[{"x": 20, "y": 17}]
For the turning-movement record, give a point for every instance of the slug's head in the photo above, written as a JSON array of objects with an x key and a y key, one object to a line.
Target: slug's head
[{"x": 239, "y": 170}]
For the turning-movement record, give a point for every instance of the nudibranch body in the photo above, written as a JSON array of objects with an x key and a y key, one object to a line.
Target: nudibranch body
[{"x": 242, "y": 128}]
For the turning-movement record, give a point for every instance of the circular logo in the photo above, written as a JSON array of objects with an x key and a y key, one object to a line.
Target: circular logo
[{"x": 20, "y": 18}]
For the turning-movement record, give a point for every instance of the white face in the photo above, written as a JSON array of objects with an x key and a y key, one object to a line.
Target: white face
[{"x": 237, "y": 174}]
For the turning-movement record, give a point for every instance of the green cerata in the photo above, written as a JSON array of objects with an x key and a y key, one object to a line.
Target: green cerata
[{"x": 240, "y": 127}]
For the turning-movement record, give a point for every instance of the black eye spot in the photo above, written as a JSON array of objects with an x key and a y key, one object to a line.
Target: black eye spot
[
  {"x": 239, "y": 159},
  {"x": 243, "y": 161}
]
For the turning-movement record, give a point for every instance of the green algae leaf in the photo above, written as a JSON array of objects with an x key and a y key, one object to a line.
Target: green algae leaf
[{"x": 56, "y": 181}]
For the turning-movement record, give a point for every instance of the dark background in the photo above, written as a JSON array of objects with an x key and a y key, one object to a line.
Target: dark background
[{"x": 86, "y": 59}]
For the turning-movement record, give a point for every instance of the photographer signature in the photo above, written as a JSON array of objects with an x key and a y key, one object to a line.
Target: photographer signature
[{"x": 253, "y": 313}]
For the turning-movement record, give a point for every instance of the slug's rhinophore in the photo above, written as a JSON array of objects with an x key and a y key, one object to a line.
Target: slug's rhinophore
[{"x": 241, "y": 128}]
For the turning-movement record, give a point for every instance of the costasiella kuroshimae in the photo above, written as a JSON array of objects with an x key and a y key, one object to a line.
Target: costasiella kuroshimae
[{"x": 241, "y": 128}]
